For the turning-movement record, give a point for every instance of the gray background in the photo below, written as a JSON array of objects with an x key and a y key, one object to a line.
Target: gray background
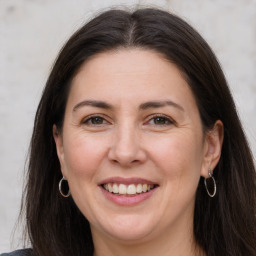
[{"x": 32, "y": 32}]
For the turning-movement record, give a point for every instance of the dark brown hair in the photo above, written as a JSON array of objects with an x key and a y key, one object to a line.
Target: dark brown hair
[{"x": 223, "y": 225}]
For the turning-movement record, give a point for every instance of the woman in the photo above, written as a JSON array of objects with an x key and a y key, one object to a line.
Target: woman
[{"x": 137, "y": 148}]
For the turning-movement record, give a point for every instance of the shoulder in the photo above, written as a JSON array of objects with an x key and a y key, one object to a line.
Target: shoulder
[{"x": 24, "y": 252}]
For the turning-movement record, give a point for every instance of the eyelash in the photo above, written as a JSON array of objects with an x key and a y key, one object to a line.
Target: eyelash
[
  {"x": 166, "y": 119},
  {"x": 89, "y": 120}
]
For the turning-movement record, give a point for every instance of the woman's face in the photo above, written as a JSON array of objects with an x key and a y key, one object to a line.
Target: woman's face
[{"x": 132, "y": 146}]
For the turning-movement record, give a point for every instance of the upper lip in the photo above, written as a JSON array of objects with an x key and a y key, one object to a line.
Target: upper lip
[{"x": 127, "y": 181}]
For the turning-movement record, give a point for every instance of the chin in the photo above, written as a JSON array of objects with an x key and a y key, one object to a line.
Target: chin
[{"x": 130, "y": 229}]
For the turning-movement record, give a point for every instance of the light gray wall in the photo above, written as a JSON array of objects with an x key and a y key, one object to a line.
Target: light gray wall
[{"x": 32, "y": 32}]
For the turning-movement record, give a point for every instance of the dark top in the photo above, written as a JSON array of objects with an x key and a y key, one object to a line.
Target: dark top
[{"x": 24, "y": 252}]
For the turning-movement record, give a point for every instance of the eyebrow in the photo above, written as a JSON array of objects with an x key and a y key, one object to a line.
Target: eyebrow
[
  {"x": 159, "y": 104},
  {"x": 93, "y": 103},
  {"x": 143, "y": 106}
]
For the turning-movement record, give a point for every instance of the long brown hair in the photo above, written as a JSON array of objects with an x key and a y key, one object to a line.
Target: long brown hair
[{"x": 223, "y": 225}]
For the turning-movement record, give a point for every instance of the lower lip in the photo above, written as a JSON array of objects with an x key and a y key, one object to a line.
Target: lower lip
[{"x": 128, "y": 200}]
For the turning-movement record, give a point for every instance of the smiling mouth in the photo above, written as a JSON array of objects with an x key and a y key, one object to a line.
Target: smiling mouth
[{"x": 128, "y": 190}]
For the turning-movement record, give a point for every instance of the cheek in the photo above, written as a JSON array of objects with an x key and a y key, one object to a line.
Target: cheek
[
  {"x": 179, "y": 160},
  {"x": 82, "y": 155},
  {"x": 178, "y": 155}
]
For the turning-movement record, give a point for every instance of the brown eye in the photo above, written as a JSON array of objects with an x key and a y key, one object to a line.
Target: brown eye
[
  {"x": 160, "y": 120},
  {"x": 95, "y": 120}
]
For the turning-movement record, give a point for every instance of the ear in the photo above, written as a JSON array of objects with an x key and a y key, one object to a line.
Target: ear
[
  {"x": 212, "y": 148},
  {"x": 59, "y": 145}
]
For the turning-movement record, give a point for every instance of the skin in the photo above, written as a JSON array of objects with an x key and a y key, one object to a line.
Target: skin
[{"x": 129, "y": 141}]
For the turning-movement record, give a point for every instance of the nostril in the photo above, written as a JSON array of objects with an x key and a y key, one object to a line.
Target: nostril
[{"x": 125, "y": 163}]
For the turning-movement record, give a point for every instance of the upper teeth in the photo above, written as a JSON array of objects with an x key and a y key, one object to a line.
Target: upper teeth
[{"x": 130, "y": 189}]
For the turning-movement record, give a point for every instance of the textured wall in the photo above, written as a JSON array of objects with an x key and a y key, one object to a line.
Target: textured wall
[{"x": 31, "y": 33}]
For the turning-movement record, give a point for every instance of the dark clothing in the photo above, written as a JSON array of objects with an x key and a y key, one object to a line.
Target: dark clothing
[{"x": 24, "y": 252}]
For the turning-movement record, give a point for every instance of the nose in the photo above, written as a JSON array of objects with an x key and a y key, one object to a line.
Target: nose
[{"x": 126, "y": 148}]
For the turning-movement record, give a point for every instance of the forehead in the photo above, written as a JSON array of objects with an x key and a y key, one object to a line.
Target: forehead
[{"x": 135, "y": 74}]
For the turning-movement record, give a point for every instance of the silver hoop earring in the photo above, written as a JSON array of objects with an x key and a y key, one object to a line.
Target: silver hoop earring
[
  {"x": 214, "y": 184},
  {"x": 60, "y": 187}
]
